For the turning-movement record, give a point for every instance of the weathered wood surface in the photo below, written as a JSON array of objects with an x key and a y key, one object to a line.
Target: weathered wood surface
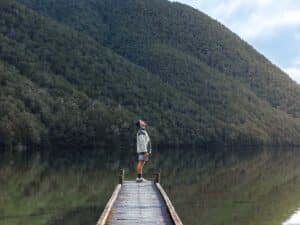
[
  {"x": 139, "y": 203},
  {"x": 172, "y": 211}
]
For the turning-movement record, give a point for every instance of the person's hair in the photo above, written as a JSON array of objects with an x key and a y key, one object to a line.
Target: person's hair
[{"x": 137, "y": 124}]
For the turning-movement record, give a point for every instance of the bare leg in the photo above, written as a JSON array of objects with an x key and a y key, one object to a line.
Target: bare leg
[{"x": 139, "y": 167}]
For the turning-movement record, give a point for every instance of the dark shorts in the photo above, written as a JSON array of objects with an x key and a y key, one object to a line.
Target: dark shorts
[{"x": 143, "y": 157}]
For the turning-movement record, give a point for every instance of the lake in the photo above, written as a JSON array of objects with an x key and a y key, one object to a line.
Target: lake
[{"x": 207, "y": 187}]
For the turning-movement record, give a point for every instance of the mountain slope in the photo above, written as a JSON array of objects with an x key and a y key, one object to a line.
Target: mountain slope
[
  {"x": 65, "y": 64},
  {"x": 133, "y": 28},
  {"x": 60, "y": 87}
]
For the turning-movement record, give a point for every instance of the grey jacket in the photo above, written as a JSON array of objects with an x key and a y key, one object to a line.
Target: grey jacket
[{"x": 143, "y": 142}]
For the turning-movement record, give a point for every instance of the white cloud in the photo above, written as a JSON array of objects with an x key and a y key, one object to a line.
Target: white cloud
[
  {"x": 294, "y": 73},
  {"x": 252, "y": 19},
  {"x": 261, "y": 22},
  {"x": 227, "y": 9}
]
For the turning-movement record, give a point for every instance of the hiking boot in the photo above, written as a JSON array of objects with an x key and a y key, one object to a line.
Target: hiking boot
[
  {"x": 143, "y": 179},
  {"x": 139, "y": 180}
]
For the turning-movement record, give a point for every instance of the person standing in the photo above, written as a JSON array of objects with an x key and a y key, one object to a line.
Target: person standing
[{"x": 144, "y": 149}]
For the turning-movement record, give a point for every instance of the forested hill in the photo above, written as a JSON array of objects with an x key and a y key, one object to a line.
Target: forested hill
[
  {"x": 149, "y": 32},
  {"x": 77, "y": 74}
]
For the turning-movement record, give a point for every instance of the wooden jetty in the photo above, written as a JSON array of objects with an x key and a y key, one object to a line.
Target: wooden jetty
[{"x": 144, "y": 203}]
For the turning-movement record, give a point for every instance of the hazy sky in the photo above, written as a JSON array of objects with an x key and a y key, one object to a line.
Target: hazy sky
[{"x": 272, "y": 27}]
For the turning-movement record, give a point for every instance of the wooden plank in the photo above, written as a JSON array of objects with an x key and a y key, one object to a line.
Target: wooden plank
[
  {"x": 170, "y": 206},
  {"x": 139, "y": 204},
  {"x": 107, "y": 210}
]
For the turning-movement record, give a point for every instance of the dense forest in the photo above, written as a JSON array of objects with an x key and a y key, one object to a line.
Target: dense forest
[{"x": 78, "y": 74}]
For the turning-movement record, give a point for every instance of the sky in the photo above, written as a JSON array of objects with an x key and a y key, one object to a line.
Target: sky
[{"x": 271, "y": 27}]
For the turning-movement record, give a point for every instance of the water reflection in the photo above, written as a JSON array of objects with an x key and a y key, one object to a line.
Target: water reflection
[
  {"x": 207, "y": 187},
  {"x": 255, "y": 187}
]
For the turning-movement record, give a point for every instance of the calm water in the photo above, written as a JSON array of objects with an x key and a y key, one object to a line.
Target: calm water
[{"x": 207, "y": 187}]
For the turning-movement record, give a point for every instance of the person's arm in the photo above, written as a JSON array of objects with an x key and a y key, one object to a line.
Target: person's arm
[{"x": 149, "y": 146}]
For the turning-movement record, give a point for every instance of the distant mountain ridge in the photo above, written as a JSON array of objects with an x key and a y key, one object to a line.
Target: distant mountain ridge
[{"x": 77, "y": 74}]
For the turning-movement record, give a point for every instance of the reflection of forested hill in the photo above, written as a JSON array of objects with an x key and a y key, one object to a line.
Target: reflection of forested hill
[
  {"x": 77, "y": 74},
  {"x": 251, "y": 188}
]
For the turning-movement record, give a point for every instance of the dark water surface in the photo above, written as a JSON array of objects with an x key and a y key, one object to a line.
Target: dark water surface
[{"x": 207, "y": 187}]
